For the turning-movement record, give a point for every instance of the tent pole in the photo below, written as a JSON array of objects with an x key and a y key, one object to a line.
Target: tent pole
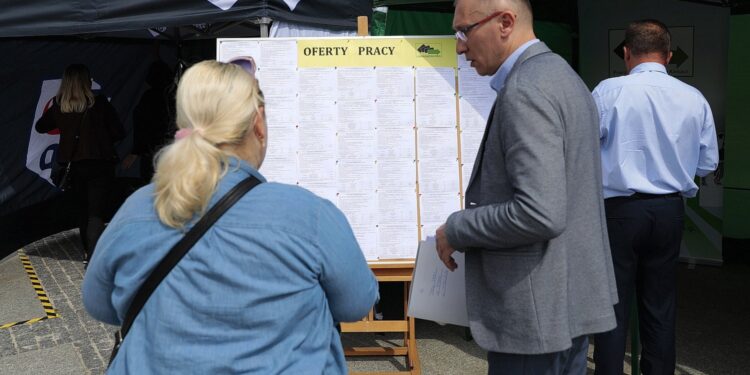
[{"x": 264, "y": 23}]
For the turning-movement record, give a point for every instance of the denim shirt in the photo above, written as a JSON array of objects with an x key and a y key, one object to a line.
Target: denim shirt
[{"x": 259, "y": 293}]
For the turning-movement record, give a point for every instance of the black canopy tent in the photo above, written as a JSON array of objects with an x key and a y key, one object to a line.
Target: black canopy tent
[
  {"x": 199, "y": 17},
  {"x": 115, "y": 39}
]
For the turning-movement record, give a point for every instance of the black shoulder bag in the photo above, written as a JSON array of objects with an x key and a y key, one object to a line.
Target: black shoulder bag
[{"x": 178, "y": 252}]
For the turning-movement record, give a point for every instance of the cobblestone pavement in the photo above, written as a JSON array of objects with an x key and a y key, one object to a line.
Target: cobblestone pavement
[{"x": 57, "y": 261}]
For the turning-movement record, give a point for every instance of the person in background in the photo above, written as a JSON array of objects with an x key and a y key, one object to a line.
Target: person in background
[
  {"x": 89, "y": 128},
  {"x": 262, "y": 291},
  {"x": 539, "y": 275},
  {"x": 657, "y": 134},
  {"x": 151, "y": 120}
]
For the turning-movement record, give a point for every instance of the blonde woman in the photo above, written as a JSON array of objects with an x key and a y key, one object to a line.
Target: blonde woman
[
  {"x": 262, "y": 290},
  {"x": 89, "y": 128}
]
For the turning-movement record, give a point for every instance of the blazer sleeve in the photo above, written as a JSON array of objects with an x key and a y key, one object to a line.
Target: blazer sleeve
[
  {"x": 47, "y": 121},
  {"x": 349, "y": 284},
  {"x": 533, "y": 147}
]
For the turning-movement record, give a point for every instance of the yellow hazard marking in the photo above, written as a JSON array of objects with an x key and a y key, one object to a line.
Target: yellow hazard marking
[{"x": 49, "y": 309}]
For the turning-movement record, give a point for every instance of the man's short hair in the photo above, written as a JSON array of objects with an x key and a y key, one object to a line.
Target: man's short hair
[
  {"x": 523, "y": 3},
  {"x": 648, "y": 36}
]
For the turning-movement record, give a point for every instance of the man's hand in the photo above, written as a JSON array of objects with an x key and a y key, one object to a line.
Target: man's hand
[{"x": 444, "y": 249}]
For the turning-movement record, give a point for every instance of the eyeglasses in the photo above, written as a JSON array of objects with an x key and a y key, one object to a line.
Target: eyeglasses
[
  {"x": 461, "y": 32},
  {"x": 247, "y": 63}
]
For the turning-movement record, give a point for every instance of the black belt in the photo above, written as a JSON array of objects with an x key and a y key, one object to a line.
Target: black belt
[{"x": 649, "y": 196}]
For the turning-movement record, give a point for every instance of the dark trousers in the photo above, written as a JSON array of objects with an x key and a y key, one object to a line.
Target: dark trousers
[
  {"x": 645, "y": 234},
  {"x": 92, "y": 184},
  {"x": 570, "y": 361}
]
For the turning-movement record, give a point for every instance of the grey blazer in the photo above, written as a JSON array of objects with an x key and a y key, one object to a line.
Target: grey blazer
[{"x": 538, "y": 264}]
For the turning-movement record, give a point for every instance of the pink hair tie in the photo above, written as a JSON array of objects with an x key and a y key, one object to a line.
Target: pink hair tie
[{"x": 182, "y": 133}]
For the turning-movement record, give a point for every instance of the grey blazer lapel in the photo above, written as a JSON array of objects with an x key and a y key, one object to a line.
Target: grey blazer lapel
[
  {"x": 533, "y": 50},
  {"x": 480, "y": 153}
]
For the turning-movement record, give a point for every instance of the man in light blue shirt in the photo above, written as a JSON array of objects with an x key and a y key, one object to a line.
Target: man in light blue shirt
[{"x": 657, "y": 134}]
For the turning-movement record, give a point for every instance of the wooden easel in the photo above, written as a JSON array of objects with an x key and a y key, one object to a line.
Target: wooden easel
[{"x": 396, "y": 271}]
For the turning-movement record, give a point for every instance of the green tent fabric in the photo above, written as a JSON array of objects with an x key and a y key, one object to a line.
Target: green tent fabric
[{"x": 558, "y": 36}]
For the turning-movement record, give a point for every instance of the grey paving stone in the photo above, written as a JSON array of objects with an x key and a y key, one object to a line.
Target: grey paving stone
[
  {"x": 90, "y": 356},
  {"x": 46, "y": 343}
]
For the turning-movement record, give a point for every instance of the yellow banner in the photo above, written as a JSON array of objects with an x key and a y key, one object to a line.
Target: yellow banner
[{"x": 380, "y": 52}]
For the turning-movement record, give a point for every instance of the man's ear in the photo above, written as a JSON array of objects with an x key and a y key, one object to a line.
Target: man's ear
[
  {"x": 669, "y": 58},
  {"x": 507, "y": 23},
  {"x": 626, "y": 53}
]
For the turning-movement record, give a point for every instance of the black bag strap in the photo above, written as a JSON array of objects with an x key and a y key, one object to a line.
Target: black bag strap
[{"x": 182, "y": 247}]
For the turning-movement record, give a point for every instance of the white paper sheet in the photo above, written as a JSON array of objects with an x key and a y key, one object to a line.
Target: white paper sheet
[
  {"x": 438, "y": 176},
  {"x": 320, "y": 143},
  {"x": 471, "y": 84},
  {"x": 231, "y": 49},
  {"x": 356, "y": 114},
  {"x": 357, "y": 176},
  {"x": 360, "y": 209},
  {"x": 474, "y": 112},
  {"x": 397, "y": 174},
  {"x": 437, "y": 207},
  {"x": 436, "y": 111},
  {"x": 317, "y": 112},
  {"x": 283, "y": 170},
  {"x": 463, "y": 64},
  {"x": 397, "y": 206},
  {"x": 356, "y": 83},
  {"x": 396, "y": 143},
  {"x": 278, "y": 53},
  {"x": 466, "y": 170},
  {"x": 367, "y": 237},
  {"x": 280, "y": 170},
  {"x": 357, "y": 145},
  {"x": 438, "y": 294},
  {"x": 395, "y": 113},
  {"x": 471, "y": 140},
  {"x": 279, "y": 82},
  {"x": 325, "y": 190},
  {"x": 283, "y": 142},
  {"x": 435, "y": 81},
  {"x": 429, "y": 229},
  {"x": 314, "y": 170},
  {"x": 320, "y": 82},
  {"x": 395, "y": 82},
  {"x": 397, "y": 241},
  {"x": 437, "y": 143},
  {"x": 282, "y": 111}
]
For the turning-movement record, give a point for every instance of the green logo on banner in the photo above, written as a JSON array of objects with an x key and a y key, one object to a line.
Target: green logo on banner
[{"x": 426, "y": 50}]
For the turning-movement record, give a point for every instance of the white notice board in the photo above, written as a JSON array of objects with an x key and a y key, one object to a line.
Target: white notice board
[{"x": 386, "y": 128}]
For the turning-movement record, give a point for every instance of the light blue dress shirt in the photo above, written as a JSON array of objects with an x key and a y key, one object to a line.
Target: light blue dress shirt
[
  {"x": 657, "y": 133},
  {"x": 498, "y": 80},
  {"x": 258, "y": 294}
]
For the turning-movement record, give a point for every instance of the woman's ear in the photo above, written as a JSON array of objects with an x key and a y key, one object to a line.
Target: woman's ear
[{"x": 259, "y": 124}]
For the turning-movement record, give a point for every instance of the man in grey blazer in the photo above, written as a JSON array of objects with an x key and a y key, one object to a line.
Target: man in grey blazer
[{"x": 539, "y": 275}]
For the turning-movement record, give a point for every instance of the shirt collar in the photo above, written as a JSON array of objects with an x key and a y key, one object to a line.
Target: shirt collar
[
  {"x": 649, "y": 67},
  {"x": 236, "y": 163},
  {"x": 498, "y": 80}
]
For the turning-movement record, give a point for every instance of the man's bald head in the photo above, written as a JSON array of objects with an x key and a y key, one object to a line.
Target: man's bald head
[{"x": 522, "y": 8}]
